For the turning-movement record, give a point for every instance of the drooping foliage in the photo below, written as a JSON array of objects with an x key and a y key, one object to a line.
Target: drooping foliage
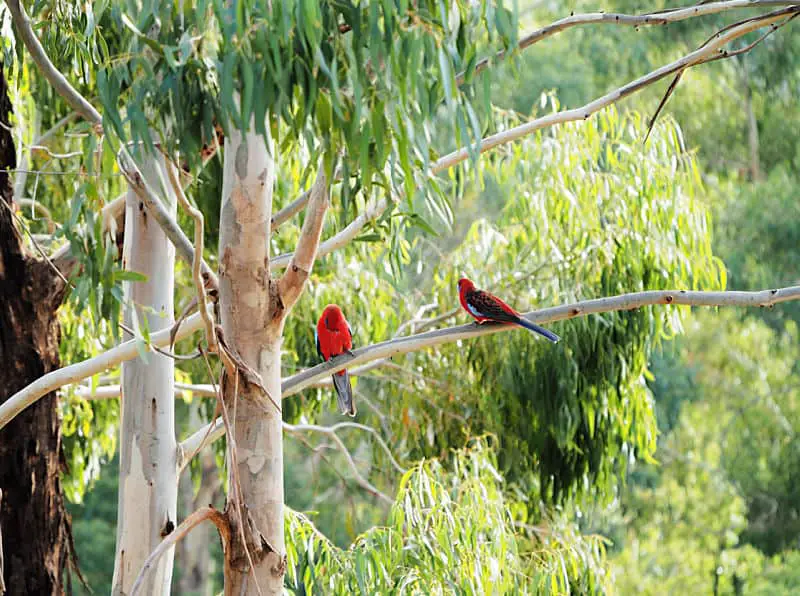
[
  {"x": 448, "y": 531},
  {"x": 578, "y": 213}
]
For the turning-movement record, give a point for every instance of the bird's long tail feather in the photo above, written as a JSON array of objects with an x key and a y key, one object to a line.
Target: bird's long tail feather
[
  {"x": 537, "y": 329},
  {"x": 344, "y": 393}
]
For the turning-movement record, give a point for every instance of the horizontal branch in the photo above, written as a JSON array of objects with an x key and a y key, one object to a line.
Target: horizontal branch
[
  {"x": 664, "y": 17},
  {"x": 713, "y": 47},
  {"x": 415, "y": 343},
  {"x": 81, "y": 370},
  {"x": 368, "y": 355},
  {"x": 59, "y": 82}
]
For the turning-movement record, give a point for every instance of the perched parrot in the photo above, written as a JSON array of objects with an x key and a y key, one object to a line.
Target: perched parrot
[
  {"x": 334, "y": 337},
  {"x": 486, "y": 307}
]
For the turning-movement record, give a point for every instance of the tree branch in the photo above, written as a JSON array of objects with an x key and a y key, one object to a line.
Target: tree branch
[
  {"x": 704, "y": 54},
  {"x": 337, "y": 241},
  {"x": 657, "y": 18},
  {"x": 414, "y": 343},
  {"x": 81, "y": 370},
  {"x": 294, "y": 279},
  {"x": 154, "y": 206},
  {"x": 50, "y": 72},
  {"x": 368, "y": 355},
  {"x": 289, "y": 211},
  {"x": 584, "y": 112},
  {"x": 186, "y": 526},
  {"x": 664, "y": 17}
]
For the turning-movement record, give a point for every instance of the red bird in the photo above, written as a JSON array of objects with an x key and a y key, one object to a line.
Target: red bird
[
  {"x": 483, "y": 306},
  {"x": 333, "y": 338}
]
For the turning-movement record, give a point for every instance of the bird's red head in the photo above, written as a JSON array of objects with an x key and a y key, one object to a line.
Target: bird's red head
[
  {"x": 333, "y": 317},
  {"x": 465, "y": 285}
]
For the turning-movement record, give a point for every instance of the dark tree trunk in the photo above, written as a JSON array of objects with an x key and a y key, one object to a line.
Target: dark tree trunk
[{"x": 34, "y": 522}]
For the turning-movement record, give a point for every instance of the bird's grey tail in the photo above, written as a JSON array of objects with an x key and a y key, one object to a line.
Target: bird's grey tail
[
  {"x": 540, "y": 330},
  {"x": 344, "y": 393}
]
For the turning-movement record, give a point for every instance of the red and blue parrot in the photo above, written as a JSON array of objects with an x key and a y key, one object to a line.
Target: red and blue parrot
[
  {"x": 484, "y": 306},
  {"x": 334, "y": 338}
]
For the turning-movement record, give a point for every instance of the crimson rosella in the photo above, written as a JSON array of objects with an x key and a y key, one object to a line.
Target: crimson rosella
[
  {"x": 334, "y": 337},
  {"x": 483, "y": 306}
]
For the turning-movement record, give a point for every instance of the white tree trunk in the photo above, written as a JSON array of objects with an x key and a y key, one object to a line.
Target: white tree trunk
[
  {"x": 251, "y": 317},
  {"x": 148, "y": 479}
]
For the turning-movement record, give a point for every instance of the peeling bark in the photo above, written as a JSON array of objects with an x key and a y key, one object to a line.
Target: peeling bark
[
  {"x": 252, "y": 321},
  {"x": 35, "y": 525}
]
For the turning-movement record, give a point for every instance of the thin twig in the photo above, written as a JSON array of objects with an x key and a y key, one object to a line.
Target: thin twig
[
  {"x": 718, "y": 41},
  {"x": 360, "y": 480},
  {"x": 237, "y": 486},
  {"x": 197, "y": 256},
  {"x": 155, "y": 207},
  {"x": 664, "y": 17}
]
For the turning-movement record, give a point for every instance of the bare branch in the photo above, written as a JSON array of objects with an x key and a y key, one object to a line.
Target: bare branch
[
  {"x": 50, "y": 72},
  {"x": 294, "y": 279},
  {"x": 582, "y": 113},
  {"x": 672, "y": 15},
  {"x": 186, "y": 526},
  {"x": 703, "y": 54},
  {"x": 414, "y": 343},
  {"x": 81, "y": 370},
  {"x": 370, "y": 430},
  {"x": 331, "y": 433},
  {"x": 289, "y": 211},
  {"x": 134, "y": 176},
  {"x": 371, "y": 213}
]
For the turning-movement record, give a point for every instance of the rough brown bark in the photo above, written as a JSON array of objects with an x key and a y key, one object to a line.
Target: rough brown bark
[{"x": 35, "y": 524}]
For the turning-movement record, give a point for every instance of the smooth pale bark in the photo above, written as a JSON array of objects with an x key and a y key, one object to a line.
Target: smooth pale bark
[
  {"x": 251, "y": 317},
  {"x": 148, "y": 481}
]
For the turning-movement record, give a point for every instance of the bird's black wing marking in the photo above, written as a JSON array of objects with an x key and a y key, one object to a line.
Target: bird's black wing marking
[{"x": 486, "y": 305}]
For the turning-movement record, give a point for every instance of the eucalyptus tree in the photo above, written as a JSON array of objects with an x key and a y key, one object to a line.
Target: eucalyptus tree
[{"x": 351, "y": 96}]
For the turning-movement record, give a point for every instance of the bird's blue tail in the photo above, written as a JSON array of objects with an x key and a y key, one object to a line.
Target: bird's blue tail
[{"x": 540, "y": 330}]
